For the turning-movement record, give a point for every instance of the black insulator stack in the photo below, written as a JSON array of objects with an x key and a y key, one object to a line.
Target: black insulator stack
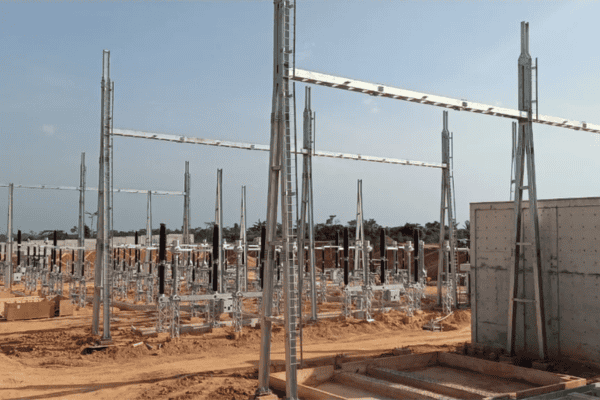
[
  {"x": 83, "y": 264},
  {"x": 263, "y": 243},
  {"x": 346, "y": 255},
  {"x": 60, "y": 260},
  {"x": 193, "y": 274},
  {"x": 382, "y": 255},
  {"x": 162, "y": 244},
  {"x": 55, "y": 243},
  {"x": 215, "y": 253},
  {"x": 337, "y": 250},
  {"x": 27, "y": 255},
  {"x": 323, "y": 253},
  {"x": 73, "y": 262},
  {"x": 209, "y": 267},
  {"x": 416, "y": 239},
  {"x": 150, "y": 263},
  {"x": 193, "y": 258},
  {"x": 277, "y": 260},
  {"x": 161, "y": 279},
  {"x": 19, "y": 247}
]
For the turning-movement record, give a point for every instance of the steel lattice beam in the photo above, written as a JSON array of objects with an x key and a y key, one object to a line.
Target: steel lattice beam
[
  {"x": 374, "y": 89},
  {"x": 263, "y": 147},
  {"x": 141, "y": 191}
]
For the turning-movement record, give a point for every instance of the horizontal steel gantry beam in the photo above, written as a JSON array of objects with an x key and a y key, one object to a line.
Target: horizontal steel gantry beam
[
  {"x": 141, "y": 191},
  {"x": 263, "y": 147},
  {"x": 374, "y": 89}
]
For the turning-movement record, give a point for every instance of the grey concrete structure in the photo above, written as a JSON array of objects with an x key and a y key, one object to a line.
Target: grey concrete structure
[{"x": 570, "y": 239}]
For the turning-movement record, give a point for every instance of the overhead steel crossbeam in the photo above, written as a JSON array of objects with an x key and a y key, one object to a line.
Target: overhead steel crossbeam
[
  {"x": 374, "y": 89},
  {"x": 264, "y": 147},
  {"x": 141, "y": 191}
]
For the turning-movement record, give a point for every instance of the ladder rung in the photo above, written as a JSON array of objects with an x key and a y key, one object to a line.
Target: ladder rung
[{"x": 524, "y": 300}]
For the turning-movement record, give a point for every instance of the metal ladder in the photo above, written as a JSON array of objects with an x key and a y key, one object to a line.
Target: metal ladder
[{"x": 289, "y": 171}]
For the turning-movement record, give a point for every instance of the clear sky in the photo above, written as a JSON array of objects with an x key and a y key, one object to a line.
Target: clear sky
[{"x": 204, "y": 69}]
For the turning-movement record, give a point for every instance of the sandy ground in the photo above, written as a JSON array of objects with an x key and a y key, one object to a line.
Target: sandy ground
[{"x": 42, "y": 359}]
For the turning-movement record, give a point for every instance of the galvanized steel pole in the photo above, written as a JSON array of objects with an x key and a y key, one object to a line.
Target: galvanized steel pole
[
  {"x": 8, "y": 275},
  {"x": 81, "y": 232}
]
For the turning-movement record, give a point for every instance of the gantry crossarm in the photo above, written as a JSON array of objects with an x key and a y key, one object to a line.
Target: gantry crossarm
[
  {"x": 374, "y": 89},
  {"x": 141, "y": 191},
  {"x": 263, "y": 147}
]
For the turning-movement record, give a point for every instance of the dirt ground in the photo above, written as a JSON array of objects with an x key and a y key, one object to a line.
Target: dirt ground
[{"x": 42, "y": 359}]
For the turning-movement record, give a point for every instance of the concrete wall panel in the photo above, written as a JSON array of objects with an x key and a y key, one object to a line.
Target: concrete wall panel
[{"x": 570, "y": 239}]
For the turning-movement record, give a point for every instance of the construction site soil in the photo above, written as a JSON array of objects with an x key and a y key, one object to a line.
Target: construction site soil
[{"x": 45, "y": 358}]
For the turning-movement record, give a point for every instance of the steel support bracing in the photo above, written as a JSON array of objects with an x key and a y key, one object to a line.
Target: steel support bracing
[{"x": 525, "y": 158}]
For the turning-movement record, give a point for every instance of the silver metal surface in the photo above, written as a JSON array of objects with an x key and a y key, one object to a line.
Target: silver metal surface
[
  {"x": 261, "y": 147},
  {"x": 186, "y": 203},
  {"x": 93, "y": 189},
  {"x": 219, "y": 223},
  {"x": 374, "y": 89},
  {"x": 8, "y": 275},
  {"x": 81, "y": 227}
]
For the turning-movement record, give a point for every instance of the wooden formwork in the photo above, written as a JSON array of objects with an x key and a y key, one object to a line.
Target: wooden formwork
[{"x": 434, "y": 375}]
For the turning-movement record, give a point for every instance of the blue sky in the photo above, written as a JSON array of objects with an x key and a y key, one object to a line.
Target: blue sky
[{"x": 205, "y": 69}]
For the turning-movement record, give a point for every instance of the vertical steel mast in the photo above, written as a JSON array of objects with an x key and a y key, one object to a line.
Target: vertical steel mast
[
  {"x": 100, "y": 221},
  {"x": 219, "y": 224},
  {"x": 244, "y": 239},
  {"x": 447, "y": 207},
  {"x": 8, "y": 274},
  {"x": 186, "y": 204},
  {"x": 81, "y": 228},
  {"x": 149, "y": 221},
  {"x": 525, "y": 150},
  {"x": 281, "y": 172},
  {"x": 102, "y": 279},
  {"x": 306, "y": 209}
]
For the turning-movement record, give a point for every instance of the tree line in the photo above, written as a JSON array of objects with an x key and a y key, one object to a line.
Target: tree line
[{"x": 326, "y": 231}]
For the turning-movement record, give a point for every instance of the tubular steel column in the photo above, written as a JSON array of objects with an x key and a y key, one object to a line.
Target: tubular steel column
[
  {"x": 186, "y": 204},
  {"x": 81, "y": 231},
  {"x": 306, "y": 209},
  {"x": 244, "y": 240},
  {"x": 100, "y": 219},
  {"x": 281, "y": 173},
  {"x": 446, "y": 205},
  {"x": 8, "y": 275},
  {"x": 149, "y": 220},
  {"x": 525, "y": 149},
  {"x": 102, "y": 243}
]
